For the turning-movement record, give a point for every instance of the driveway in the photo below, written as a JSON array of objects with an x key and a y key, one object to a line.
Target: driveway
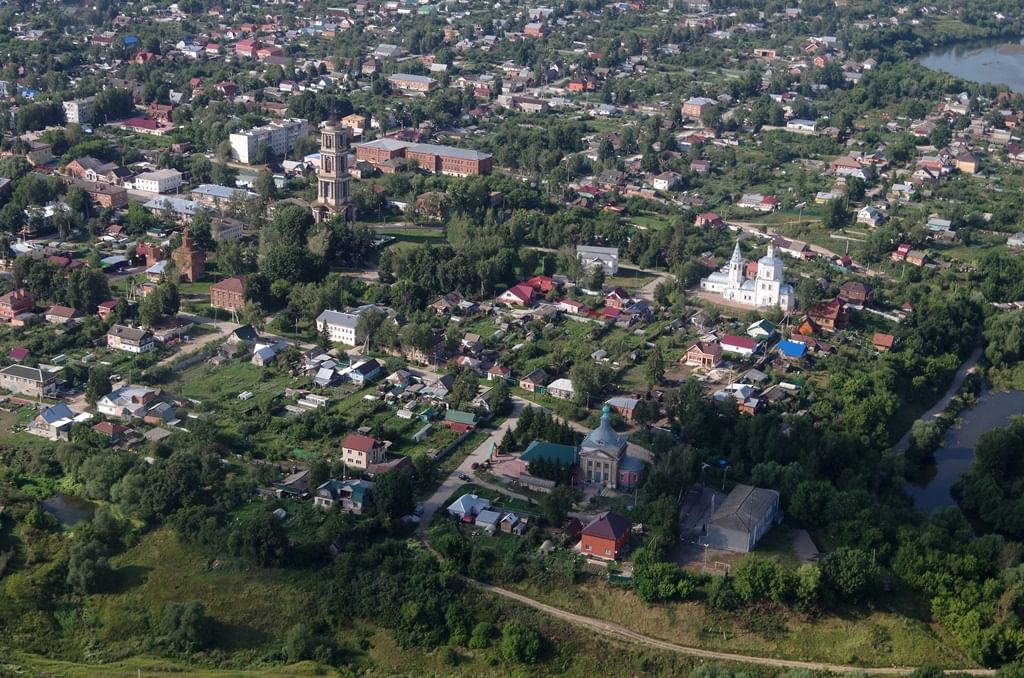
[{"x": 477, "y": 456}]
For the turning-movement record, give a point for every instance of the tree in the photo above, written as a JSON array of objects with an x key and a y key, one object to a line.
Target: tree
[
  {"x": 519, "y": 643},
  {"x": 595, "y": 279},
  {"x": 98, "y": 385},
  {"x": 88, "y": 568},
  {"x": 849, "y": 572},
  {"x": 836, "y": 214},
  {"x": 464, "y": 389},
  {"x": 260, "y": 539},
  {"x": 557, "y": 504},
  {"x": 368, "y": 324},
  {"x": 264, "y": 185},
  {"x": 185, "y": 626},
  {"x": 587, "y": 381},
  {"x": 655, "y": 367},
  {"x": 393, "y": 494}
]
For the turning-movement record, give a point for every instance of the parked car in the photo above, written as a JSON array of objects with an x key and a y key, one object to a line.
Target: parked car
[{"x": 463, "y": 476}]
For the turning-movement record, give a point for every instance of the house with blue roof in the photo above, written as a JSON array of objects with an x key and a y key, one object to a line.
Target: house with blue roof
[
  {"x": 54, "y": 423},
  {"x": 792, "y": 349}
]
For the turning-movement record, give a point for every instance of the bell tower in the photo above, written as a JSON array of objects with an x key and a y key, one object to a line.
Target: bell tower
[{"x": 333, "y": 188}]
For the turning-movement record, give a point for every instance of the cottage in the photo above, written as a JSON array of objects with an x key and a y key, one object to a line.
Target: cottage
[
  {"x": 856, "y": 294},
  {"x": 460, "y": 421},
  {"x": 744, "y": 346},
  {"x": 518, "y": 295},
  {"x": 703, "y": 354},
  {"x": 130, "y": 339},
  {"x": 883, "y": 342},
  {"x": 562, "y": 388},
  {"x": 606, "y": 536},
  {"x": 351, "y": 496},
  {"x": 468, "y": 506},
  {"x": 359, "y": 451},
  {"x": 536, "y": 381}
]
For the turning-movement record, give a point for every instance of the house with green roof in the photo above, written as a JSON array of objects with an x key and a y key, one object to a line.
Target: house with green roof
[
  {"x": 460, "y": 421},
  {"x": 350, "y": 496}
]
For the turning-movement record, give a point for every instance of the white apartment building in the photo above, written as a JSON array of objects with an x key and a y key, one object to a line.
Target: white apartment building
[
  {"x": 78, "y": 110},
  {"x": 158, "y": 181},
  {"x": 278, "y": 137},
  {"x": 341, "y": 327}
]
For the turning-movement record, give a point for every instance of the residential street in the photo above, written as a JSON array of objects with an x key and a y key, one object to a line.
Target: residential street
[{"x": 479, "y": 455}]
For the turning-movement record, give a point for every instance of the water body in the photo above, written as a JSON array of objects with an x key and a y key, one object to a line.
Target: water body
[
  {"x": 999, "y": 63},
  {"x": 994, "y": 409},
  {"x": 69, "y": 510}
]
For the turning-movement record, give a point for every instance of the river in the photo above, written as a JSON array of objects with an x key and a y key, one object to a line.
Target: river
[
  {"x": 994, "y": 409},
  {"x": 998, "y": 63}
]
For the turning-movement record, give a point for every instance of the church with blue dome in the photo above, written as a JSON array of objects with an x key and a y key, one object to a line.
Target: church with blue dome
[{"x": 603, "y": 458}]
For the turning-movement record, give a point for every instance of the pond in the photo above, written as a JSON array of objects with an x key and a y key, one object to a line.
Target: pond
[
  {"x": 69, "y": 510},
  {"x": 996, "y": 63},
  {"x": 994, "y": 409}
]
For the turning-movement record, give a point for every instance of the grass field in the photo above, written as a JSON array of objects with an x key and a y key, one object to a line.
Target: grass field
[
  {"x": 253, "y": 607},
  {"x": 872, "y": 638}
]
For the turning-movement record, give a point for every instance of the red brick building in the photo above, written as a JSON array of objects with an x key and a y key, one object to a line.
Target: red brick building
[
  {"x": 228, "y": 294},
  {"x": 606, "y": 536},
  {"x": 438, "y": 159},
  {"x": 190, "y": 262},
  {"x": 16, "y": 302}
]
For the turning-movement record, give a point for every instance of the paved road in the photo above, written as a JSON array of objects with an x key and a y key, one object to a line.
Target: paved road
[
  {"x": 478, "y": 456},
  {"x": 622, "y": 633},
  {"x": 958, "y": 380}
]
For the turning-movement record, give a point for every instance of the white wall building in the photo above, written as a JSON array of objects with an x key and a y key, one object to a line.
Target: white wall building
[
  {"x": 78, "y": 110},
  {"x": 158, "y": 181},
  {"x": 278, "y": 137},
  {"x": 605, "y": 257},
  {"x": 766, "y": 289},
  {"x": 341, "y": 327}
]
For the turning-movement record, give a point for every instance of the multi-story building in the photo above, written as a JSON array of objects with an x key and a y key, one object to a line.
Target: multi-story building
[
  {"x": 333, "y": 189},
  {"x": 16, "y": 302},
  {"x": 158, "y": 181},
  {"x": 228, "y": 294},
  {"x": 219, "y": 197},
  {"x": 359, "y": 451},
  {"x": 222, "y": 229},
  {"x": 78, "y": 110},
  {"x": 278, "y": 137},
  {"x": 340, "y": 327},
  {"x": 458, "y": 162},
  {"x": 418, "y": 84},
  {"x": 130, "y": 339},
  {"x": 103, "y": 194},
  {"x": 31, "y": 381}
]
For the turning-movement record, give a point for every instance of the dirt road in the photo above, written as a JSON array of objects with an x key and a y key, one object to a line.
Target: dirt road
[{"x": 618, "y": 632}]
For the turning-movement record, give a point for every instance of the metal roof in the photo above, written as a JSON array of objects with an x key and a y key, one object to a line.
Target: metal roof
[{"x": 744, "y": 508}]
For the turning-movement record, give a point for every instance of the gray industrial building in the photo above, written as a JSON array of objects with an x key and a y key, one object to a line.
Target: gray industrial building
[{"x": 742, "y": 519}]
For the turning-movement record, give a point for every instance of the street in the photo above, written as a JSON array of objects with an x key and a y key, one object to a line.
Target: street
[{"x": 477, "y": 456}]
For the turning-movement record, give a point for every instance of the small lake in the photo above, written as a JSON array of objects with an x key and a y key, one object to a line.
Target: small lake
[
  {"x": 69, "y": 510},
  {"x": 994, "y": 409},
  {"x": 996, "y": 63}
]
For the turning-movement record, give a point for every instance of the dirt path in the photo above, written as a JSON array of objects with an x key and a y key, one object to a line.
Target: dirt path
[{"x": 622, "y": 633}]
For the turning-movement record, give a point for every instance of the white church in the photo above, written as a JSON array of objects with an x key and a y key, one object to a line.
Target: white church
[{"x": 767, "y": 289}]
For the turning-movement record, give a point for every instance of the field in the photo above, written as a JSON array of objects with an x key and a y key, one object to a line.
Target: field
[
  {"x": 253, "y": 607},
  {"x": 883, "y": 637}
]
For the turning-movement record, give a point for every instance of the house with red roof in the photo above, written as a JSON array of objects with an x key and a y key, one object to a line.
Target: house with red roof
[
  {"x": 520, "y": 294},
  {"x": 740, "y": 345},
  {"x": 703, "y": 354},
  {"x": 606, "y": 536},
  {"x": 617, "y": 298},
  {"x": 541, "y": 283},
  {"x": 16, "y": 302},
  {"x": 105, "y": 308},
  {"x": 709, "y": 220},
  {"x": 18, "y": 354},
  {"x": 111, "y": 430},
  {"x": 359, "y": 451}
]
